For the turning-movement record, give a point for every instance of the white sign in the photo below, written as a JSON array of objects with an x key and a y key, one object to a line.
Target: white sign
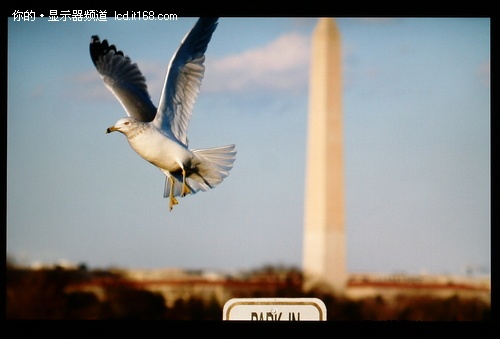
[{"x": 274, "y": 309}]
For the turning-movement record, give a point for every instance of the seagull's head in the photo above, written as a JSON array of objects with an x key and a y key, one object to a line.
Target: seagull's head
[{"x": 127, "y": 126}]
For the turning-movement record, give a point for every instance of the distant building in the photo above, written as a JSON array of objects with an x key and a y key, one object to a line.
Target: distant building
[
  {"x": 174, "y": 284},
  {"x": 439, "y": 286}
]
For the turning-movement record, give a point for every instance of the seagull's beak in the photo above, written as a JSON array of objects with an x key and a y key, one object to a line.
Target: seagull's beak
[{"x": 111, "y": 129}]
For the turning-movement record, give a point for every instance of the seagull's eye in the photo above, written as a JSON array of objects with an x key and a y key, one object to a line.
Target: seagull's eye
[{"x": 127, "y": 122}]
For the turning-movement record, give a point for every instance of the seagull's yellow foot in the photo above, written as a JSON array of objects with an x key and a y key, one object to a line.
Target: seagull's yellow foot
[
  {"x": 185, "y": 188},
  {"x": 173, "y": 202}
]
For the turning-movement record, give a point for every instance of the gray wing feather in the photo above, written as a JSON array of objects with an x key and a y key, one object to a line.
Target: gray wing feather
[
  {"x": 183, "y": 80},
  {"x": 123, "y": 78}
]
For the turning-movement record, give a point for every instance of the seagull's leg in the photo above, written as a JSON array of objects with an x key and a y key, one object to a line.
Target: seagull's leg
[
  {"x": 185, "y": 188},
  {"x": 173, "y": 201}
]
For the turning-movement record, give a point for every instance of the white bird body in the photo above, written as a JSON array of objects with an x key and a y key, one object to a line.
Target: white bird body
[
  {"x": 160, "y": 135},
  {"x": 153, "y": 145}
]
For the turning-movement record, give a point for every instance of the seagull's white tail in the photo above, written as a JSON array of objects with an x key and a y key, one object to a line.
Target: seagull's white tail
[{"x": 214, "y": 165}]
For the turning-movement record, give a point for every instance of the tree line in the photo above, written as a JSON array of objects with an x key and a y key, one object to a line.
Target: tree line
[{"x": 43, "y": 294}]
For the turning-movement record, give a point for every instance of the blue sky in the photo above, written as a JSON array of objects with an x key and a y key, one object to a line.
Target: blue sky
[{"x": 416, "y": 133}]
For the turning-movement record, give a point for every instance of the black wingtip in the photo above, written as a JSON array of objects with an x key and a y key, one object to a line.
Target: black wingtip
[
  {"x": 201, "y": 34},
  {"x": 95, "y": 48},
  {"x": 98, "y": 49}
]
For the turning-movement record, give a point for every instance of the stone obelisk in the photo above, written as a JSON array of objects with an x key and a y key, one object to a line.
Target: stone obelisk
[{"x": 324, "y": 256}]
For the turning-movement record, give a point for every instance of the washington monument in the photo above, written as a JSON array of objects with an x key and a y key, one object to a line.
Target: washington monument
[{"x": 324, "y": 252}]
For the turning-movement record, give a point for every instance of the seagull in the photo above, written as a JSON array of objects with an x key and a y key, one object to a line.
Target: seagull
[{"x": 159, "y": 135}]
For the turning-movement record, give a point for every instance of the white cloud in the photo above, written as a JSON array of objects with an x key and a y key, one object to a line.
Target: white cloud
[
  {"x": 88, "y": 85},
  {"x": 281, "y": 65}
]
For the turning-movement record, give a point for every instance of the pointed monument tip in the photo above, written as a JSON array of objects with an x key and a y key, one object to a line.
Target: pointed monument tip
[
  {"x": 327, "y": 26},
  {"x": 327, "y": 19}
]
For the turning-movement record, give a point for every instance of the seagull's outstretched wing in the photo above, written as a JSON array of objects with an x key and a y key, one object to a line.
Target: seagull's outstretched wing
[
  {"x": 183, "y": 80},
  {"x": 123, "y": 78}
]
